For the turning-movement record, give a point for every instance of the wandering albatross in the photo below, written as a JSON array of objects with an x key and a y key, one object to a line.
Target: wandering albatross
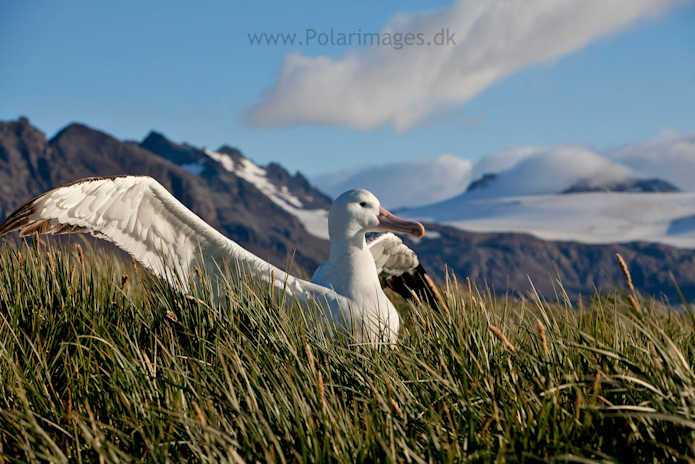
[{"x": 140, "y": 216}]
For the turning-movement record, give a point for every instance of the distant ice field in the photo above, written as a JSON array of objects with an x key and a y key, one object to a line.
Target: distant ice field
[{"x": 596, "y": 217}]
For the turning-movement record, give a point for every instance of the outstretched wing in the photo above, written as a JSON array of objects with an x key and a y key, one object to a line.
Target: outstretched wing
[
  {"x": 134, "y": 212},
  {"x": 400, "y": 270},
  {"x": 140, "y": 216}
]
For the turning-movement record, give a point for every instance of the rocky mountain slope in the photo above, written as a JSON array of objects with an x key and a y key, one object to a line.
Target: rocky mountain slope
[
  {"x": 654, "y": 185},
  {"x": 633, "y": 185},
  {"x": 30, "y": 165},
  {"x": 293, "y": 194}
]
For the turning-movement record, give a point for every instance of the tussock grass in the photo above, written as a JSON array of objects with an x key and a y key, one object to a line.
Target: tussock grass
[{"x": 94, "y": 367}]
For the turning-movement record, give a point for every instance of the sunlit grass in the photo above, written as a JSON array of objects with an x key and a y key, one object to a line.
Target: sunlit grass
[{"x": 92, "y": 368}]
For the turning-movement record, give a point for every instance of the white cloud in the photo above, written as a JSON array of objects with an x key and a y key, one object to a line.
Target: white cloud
[
  {"x": 527, "y": 170},
  {"x": 551, "y": 170},
  {"x": 670, "y": 155},
  {"x": 373, "y": 86},
  {"x": 522, "y": 170},
  {"x": 410, "y": 183},
  {"x": 502, "y": 160}
]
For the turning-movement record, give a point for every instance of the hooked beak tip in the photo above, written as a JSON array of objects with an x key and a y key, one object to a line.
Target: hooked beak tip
[{"x": 388, "y": 221}]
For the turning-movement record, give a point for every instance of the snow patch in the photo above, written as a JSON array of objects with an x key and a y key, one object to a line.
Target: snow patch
[
  {"x": 225, "y": 160},
  {"x": 314, "y": 221},
  {"x": 432, "y": 234},
  {"x": 257, "y": 176},
  {"x": 596, "y": 217},
  {"x": 684, "y": 225},
  {"x": 195, "y": 168}
]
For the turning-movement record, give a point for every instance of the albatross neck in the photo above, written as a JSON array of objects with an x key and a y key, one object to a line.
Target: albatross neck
[
  {"x": 344, "y": 246},
  {"x": 353, "y": 251}
]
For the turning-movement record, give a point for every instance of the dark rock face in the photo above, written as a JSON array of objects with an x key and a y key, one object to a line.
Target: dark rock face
[
  {"x": 24, "y": 164},
  {"x": 247, "y": 215},
  {"x": 631, "y": 185},
  {"x": 482, "y": 183},
  {"x": 299, "y": 186},
  {"x": 506, "y": 262},
  {"x": 177, "y": 154}
]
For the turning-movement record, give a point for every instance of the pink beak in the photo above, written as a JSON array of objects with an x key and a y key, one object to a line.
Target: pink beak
[{"x": 388, "y": 221}]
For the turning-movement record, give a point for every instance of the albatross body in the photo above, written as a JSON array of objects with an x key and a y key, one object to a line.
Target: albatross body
[
  {"x": 144, "y": 219},
  {"x": 350, "y": 269}
]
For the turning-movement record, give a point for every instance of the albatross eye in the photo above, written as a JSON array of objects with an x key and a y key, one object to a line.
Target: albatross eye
[{"x": 363, "y": 204}]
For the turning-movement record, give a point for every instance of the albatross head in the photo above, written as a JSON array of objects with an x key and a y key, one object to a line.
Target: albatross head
[{"x": 358, "y": 211}]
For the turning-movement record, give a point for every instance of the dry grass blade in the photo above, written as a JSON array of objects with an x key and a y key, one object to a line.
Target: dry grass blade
[
  {"x": 541, "y": 333},
  {"x": 501, "y": 337},
  {"x": 322, "y": 393},
  {"x": 310, "y": 355},
  {"x": 626, "y": 272},
  {"x": 634, "y": 304}
]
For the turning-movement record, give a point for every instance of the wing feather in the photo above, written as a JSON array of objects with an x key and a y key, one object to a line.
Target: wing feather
[
  {"x": 401, "y": 271},
  {"x": 134, "y": 212},
  {"x": 391, "y": 255}
]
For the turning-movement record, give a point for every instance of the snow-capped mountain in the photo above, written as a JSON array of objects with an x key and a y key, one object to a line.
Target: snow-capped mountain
[
  {"x": 264, "y": 209},
  {"x": 592, "y": 217},
  {"x": 488, "y": 186},
  {"x": 608, "y": 206},
  {"x": 293, "y": 194},
  {"x": 663, "y": 163}
]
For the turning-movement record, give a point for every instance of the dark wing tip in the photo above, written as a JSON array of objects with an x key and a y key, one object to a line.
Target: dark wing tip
[
  {"x": 416, "y": 284},
  {"x": 19, "y": 219}
]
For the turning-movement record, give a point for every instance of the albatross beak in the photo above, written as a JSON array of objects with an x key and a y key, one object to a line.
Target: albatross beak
[{"x": 388, "y": 221}]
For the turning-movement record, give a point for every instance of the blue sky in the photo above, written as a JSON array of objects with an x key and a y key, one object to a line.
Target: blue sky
[{"x": 187, "y": 69}]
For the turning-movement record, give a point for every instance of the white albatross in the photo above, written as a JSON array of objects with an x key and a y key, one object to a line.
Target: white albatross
[{"x": 140, "y": 216}]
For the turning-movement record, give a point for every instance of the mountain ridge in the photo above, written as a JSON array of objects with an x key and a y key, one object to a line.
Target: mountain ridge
[
  {"x": 30, "y": 165},
  {"x": 631, "y": 185}
]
